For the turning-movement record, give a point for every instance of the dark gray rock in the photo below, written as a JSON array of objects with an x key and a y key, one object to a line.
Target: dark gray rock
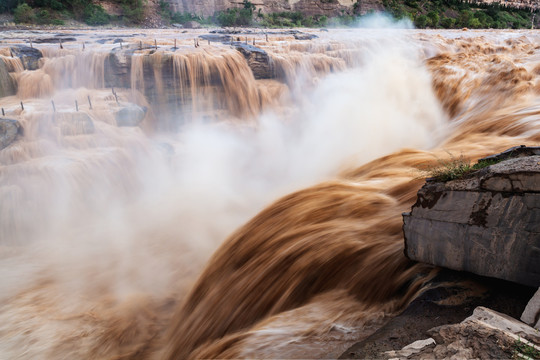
[
  {"x": 29, "y": 56},
  {"x": 54, "y": 40},
  {"x": 7, "y": 85},
  {"x": 487, "y": 223},
  {"x": 131, "y": 115},
  {"x": 258, "y": 60},
  {"x": 304, "y": 36},
  {"x": 216, "y": 38},
  {"x": 9, "y": 129}
]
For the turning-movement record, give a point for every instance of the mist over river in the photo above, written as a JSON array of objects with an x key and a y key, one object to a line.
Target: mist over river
[{"x": 175, "y": 196}]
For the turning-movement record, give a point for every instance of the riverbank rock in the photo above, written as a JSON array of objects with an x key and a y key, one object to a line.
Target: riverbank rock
[
  {"x": 486, "y": 334},
  {"x": 28, "y": 55},
  {"x": 487, "y": 223},
  {"x": 131, "y": 115},
  {"x": 258, "y": 60},
  {"x": 9, "y": 129}
]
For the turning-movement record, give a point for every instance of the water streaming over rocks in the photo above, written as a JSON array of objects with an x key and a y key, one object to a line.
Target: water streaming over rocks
[{"x": 162, "y": 200}]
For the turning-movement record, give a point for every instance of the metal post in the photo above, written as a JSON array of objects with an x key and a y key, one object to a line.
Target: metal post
[
  {"x": 3, "y": 113},
  {"x": 53, "y": 107},
  {"x": 175, "y": 43},
  {"x": 22, "y": 106},
  {"x": 31, "y": 44},
  {"x": 83, "y": 45},
  {"x": 155, "y": 43},
  {"x": 140, "y": 45},
  {"x": 121, "y": 47},
  {"x": 89, "y": 102},
  {"x": 76, "y": 106},
  {"x": 61, "y": 47}
]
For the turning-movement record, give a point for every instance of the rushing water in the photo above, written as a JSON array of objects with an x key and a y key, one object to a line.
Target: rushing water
[{"x": 244, "y": 217}]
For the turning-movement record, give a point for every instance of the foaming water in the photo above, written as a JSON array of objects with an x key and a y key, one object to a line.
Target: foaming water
[{"x": 107, "y": 235}]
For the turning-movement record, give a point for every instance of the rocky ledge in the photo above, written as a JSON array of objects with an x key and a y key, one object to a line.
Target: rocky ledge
[{"x": 487, "y": 222}]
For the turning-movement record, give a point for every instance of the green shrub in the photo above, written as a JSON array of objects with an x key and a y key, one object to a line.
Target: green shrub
[
  {"x": 133, "y": 11},
  {"x": 42, "y": 17},
  {"x": 24, "y": 14},
  {"x": 433, "y": 19},
  {"x": 95, "y": 15},
  {"x": 448, "y": 22},
  {"x": 421, "y": 21}
]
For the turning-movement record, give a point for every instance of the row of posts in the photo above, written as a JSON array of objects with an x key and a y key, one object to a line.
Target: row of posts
[
  {"x": 76, "y": 103},
  {"x": 195, "y": 42}
]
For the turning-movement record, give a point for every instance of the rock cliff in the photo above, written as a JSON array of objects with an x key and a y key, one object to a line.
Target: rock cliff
[
  {"x": 307, "y": 7},
  {"x": 487, "y": 223}
]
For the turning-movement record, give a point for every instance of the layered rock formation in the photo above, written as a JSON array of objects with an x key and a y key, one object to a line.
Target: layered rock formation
[
  {"x": 307, "y": 7},
  {"x": 487, "y": 223}
]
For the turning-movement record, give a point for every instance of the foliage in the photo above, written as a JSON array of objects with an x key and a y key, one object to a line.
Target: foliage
[
  {"x": 235, "y": 16},
  {"x": 458, "y": 168},
  {"x": 24, "y": 14},
  {"x": 95, "y": 15},
  {"x": 524, "y": 349},
  {"x": 8, "y": 5},
  {"x": 133, "y": 11}
]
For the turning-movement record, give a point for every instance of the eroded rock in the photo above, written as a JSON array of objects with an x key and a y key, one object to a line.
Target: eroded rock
[
  {"x": 28, "y": 55},
  {"x": 258, "y": 60},
  {"x": 9, "y": 129},
  {"x": 131, "y": 115},
  {"x": 487, "y": 223}
]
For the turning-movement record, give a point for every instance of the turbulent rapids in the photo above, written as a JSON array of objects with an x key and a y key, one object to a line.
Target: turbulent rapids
[{"x": 191, "y": 198}]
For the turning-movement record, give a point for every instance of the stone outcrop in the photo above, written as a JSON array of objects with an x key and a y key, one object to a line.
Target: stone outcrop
[
  {"x": 487, "y": 223},
  {"x": 131, "y": 115},
  {"x": 258, "y": 60},
  {"x": 307, "y": 7},
  {"x": 9, "y": 129},
  {"x": 28, "y": 55}
]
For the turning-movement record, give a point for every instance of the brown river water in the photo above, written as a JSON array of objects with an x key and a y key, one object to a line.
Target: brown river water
[{"x": 244, "y": 217}]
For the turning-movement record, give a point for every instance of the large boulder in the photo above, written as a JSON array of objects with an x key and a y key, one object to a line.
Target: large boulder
[
  {"x": 29, "y": 56},
  {"x": 487, "y": 223},
  {"x": 131, "y": 115},
  {"x": 7, "y": 85},
  {"x": 258, "y": 60},
  {"x": 9, "y": 129}
]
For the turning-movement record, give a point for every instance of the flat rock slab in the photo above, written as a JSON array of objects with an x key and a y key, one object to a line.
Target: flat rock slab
[{"x": 487, "y": 223}]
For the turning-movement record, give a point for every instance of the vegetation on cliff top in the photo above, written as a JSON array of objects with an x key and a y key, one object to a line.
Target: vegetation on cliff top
[{"x": 446, "y": 14}]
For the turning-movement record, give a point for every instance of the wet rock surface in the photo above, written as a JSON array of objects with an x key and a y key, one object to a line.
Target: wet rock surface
[
  {"x": 131, "y": 115},
  {"x": 28, "y": 55},
  {"x": 9, "y": 129},
  {"x": 487, "y": 223},
  {"x": 258, "y": 60}
]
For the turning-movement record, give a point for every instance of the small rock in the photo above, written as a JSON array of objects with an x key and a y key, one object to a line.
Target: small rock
[
  {"x": 9, "y": 129},
  {"x": 304, "y": 36},
  {"x": 216, "y": 38},
  {"x": 131, "y": 115},
  {"x": 180, "y": 26}
]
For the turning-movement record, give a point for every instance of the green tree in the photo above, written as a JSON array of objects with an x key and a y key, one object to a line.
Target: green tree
[
  {"x": 421, "y": 21},
  {"x": 433, "y": 19},
  {"x": 24, "y": 14}
]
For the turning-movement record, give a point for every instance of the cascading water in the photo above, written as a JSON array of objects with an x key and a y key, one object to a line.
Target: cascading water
[{"x": 107, "y": 232}]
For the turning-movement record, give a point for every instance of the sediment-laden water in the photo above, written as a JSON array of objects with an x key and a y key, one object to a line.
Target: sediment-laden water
[{"x": 197, "y": 202}]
